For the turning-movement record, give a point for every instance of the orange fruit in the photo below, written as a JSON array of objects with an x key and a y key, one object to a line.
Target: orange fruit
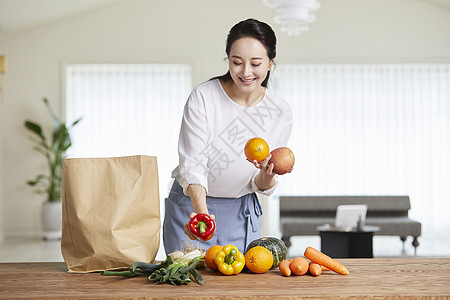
[
  {"x": 256, "y": 149},
  {"x": 209, "y": 257},
  {"x": 259, "y": 259}
]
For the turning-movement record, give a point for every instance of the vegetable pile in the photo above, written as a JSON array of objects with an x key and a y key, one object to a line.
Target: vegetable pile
[
  {"x": 179, "y": 267},
  {"x": 318, "y": 262},
  {"x": 228, "y": 260},
  {"x": 176, "y": 269}
]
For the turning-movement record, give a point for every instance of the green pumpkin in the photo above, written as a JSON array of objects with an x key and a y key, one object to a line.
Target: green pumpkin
[{"x": 276, "y": 246}]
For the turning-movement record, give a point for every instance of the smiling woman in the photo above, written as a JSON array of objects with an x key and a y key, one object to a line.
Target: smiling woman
[
  {"x": 248, "y": 67},
  {"x": 213, "y": 176},
  {"x": 263, "y": 36}
]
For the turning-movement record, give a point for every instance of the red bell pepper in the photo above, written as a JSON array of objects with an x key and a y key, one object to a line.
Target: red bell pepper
[{"x": 202, "y": 226}]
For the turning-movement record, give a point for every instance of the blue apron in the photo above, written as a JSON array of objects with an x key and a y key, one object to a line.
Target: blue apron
[{"x": 238, "y": 220}]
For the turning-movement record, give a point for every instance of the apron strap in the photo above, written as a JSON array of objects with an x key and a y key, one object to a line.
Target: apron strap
[{"x": 252, "y": 212}]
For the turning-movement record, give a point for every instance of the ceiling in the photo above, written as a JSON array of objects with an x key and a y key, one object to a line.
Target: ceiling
[{"x": 16, "y": 15}]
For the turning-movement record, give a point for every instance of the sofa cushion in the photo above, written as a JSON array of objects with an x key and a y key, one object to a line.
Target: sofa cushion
[
  {"x": 402, "y": 226},
  {"x": 291, "y": 205}
]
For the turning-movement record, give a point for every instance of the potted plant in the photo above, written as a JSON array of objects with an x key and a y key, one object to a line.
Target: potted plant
[{"x": 50, "y": 184}]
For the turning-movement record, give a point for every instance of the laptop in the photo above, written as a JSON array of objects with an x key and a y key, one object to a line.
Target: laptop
[{"x": 348, "y": 215}]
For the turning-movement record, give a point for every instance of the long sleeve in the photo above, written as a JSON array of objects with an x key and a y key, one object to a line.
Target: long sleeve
[
  {"x": 214, "y": 130},
  {"x": 191, "y": 145}
]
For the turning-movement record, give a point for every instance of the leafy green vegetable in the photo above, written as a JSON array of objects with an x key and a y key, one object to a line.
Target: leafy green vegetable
[{"x": 175, "y": 272}]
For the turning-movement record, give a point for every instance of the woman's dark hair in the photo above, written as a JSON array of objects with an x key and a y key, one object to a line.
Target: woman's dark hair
[{"x": 254, "y": 29}]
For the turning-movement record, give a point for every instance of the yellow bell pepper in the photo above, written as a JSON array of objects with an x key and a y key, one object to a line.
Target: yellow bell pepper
[{"x": 229, "y": 260}]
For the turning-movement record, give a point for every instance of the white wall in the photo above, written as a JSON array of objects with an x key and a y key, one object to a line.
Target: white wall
[
  {"x": 188, "y": 31},
  {"x": 1, "y": 147}
]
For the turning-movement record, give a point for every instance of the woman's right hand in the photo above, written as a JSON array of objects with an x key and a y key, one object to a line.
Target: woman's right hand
[
  {"x": 188, "y": 232},
  {"x": 197, "y": 193}
]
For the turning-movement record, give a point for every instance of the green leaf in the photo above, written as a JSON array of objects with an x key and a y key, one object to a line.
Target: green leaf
[
  {"x": 39, "y": 179},
  {"x": 56, "y": 120},
  {"x": 76, "y": 122},
  {"x": 61, "y": 139},
  {"x": 35, "y": 128},
  {"x": 32, "y": 182}
]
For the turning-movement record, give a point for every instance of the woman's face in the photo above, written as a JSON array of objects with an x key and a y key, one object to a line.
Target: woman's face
[{"x": 248, "y": 64}]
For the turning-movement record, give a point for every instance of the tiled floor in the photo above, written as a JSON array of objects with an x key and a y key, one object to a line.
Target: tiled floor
[
  {"x": 38, "y": 250},
  {"x": 30, "y": 250}
]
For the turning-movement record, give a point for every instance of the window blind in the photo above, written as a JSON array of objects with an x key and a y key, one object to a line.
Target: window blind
[
  {"x": 371, "y": 130},
  {"x": 127, "y": 110}
]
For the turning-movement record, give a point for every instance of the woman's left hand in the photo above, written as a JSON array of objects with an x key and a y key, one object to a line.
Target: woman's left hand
[
  {"x": 266, "y": 178},
  {"x": 264, "y": 166}
]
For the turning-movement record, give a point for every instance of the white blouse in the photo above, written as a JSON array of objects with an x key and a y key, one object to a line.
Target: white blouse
[{"x": 214, "y": 131}]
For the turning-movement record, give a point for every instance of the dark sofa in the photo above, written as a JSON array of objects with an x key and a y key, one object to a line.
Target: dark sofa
[{"x": 300, "y": 215}]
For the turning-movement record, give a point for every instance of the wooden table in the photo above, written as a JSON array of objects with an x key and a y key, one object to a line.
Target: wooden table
[{"x": 399, "y": 278}]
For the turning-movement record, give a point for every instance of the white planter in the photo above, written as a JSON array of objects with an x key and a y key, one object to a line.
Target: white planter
[{"x": 52, "y": 220}]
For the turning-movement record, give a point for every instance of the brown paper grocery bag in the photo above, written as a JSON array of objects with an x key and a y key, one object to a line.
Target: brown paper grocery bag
[{"x": 110, "y": 212}]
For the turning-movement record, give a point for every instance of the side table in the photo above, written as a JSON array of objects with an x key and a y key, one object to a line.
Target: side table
[{"x": 345, "y": 242}]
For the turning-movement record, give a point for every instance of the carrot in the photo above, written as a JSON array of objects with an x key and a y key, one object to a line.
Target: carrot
[
  {"x": 324, "y": 268},
  {"x": 315, "y": 269},
  {"x": 324, "y": 260},
  {"x": 284, "y": 267},
  {"x": 299, "y": 266}
]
